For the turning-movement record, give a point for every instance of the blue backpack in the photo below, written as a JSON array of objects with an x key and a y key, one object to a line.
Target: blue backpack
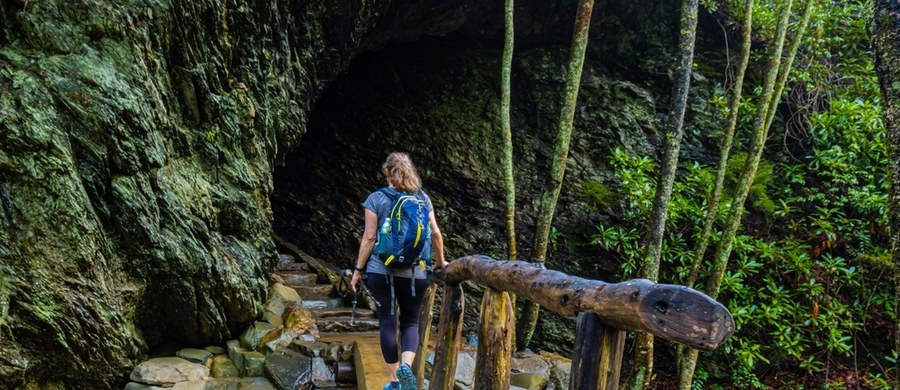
[{"x": 404, "y": 239}]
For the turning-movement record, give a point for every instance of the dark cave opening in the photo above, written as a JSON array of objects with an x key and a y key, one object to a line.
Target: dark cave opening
[{"x": 389, "y": 100}]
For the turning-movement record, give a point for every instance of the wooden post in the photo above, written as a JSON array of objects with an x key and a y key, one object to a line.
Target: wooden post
[
  {"x": 493, "y": 361},
  {"x": 672, "y": 312},
  {"x": 597, "y": 359},
  {"x": 443, "y": 374},
  {"x": 425, "y": 317}
]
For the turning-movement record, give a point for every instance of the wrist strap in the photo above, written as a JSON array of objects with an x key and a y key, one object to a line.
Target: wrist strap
[{"x": 358, "y": 269}]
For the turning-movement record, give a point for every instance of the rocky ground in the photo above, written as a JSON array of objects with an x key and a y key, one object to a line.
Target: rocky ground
[{"x": 285, "y": 348}]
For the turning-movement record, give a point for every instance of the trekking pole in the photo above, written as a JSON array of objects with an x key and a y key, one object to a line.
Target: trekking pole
[
  {"x": 353, "y": 311},
  {"x": 360, "y": 287}
]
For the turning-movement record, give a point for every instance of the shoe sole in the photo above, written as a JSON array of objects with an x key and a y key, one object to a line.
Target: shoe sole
[{"x": 406, "y": 377}]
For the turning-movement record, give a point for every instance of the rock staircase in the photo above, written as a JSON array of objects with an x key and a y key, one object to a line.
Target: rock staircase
[
  {"x": 331, "y": 312},
  {"x": 333, "y": 316}
]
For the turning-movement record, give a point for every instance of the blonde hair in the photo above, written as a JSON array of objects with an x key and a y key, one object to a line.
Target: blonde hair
[{"x": 399, "y": 170}]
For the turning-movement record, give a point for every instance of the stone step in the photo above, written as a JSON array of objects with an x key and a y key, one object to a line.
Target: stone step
[
  {"x": 293, "y": 267},
  {"x": 315, "y": 291},
  {"x": 342, "y": 324},
  {"x": 297, "y": 279},
  {"x": 286, "y": 258},
  {"x": 322, "y": 303},
  {"x": 361, "y": 312}
]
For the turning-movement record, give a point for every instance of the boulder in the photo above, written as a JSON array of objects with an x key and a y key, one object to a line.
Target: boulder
[
  {"x": 194, "y": 355},
  {"x": 288, "y": 369},
  {"x": 283, "y": 293},
  {"x": 167, "y": 371}
]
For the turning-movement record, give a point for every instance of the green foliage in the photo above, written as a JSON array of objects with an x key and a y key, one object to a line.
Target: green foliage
[
  {"x": 758, "y": 197},
  {"x": 601, "y": 194},
  {"x": 799, "y": 289}
]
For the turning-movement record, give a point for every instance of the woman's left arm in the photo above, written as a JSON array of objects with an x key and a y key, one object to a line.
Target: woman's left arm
[
  {"x": 437, "y": 243},
  {"x": 365, "y": 247}
]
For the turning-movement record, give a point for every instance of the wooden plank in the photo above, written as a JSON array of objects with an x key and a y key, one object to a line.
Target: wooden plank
[
  {"x": 612, "y": 348},
  {"x": 671, "y": 312},
  {"x": 443, "y": 374},
  {"x": 597, "y": 358},
  {"x": 371, "y": 371},
  {"x": 495, "y": 341},
  {"x": 585, "y": 372}
]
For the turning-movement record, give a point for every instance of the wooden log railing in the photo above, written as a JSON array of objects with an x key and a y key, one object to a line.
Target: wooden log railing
[{"x": 605, "y": 312}]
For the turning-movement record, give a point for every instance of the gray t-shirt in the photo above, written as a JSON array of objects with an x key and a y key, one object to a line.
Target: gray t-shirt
[{"x": 380, "y": 204}]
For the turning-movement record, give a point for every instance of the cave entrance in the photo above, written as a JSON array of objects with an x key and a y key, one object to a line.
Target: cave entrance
[{"x": 431, "y": 98}]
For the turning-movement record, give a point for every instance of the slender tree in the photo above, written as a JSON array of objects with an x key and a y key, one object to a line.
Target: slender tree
[
  {"x": 734, "y": 103},
  {"x": 643, "y": 359},
  {"x": 775, "y": 81},
  {"x": 885, "y": 29},
  {"x": 558, "y": 162},
  {"x": 506, "y": 128}
]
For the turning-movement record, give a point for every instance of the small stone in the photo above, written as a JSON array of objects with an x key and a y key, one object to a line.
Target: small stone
[
  {"x": 300, "y": 320},
  {"x": 321, "y": 371},
  {"x": 284, "y": 293},
  {"x": 238, "y": 358},
  {"x": 223, "y": 367},
  {"x": 465, "y": 369},
  {"x": 338, "y": 352},
  {"x": 256, "y": 335},
  {"x": 194, "y": 355},
  {"x": 254, "y": 364},
  {"x": 309, "y": 348},
  {"x": 168, "y": 371},
  {"x": 232, "y": 346},
  {"x": 529, "y": 381}
]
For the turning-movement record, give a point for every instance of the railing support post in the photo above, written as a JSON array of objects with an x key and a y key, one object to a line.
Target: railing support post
[
  {"x": 425, "y": 316},
  {"x": 597, "y": 359},
  {"x": 493, "y": 361},
  {"x": 443, "y": 374}
]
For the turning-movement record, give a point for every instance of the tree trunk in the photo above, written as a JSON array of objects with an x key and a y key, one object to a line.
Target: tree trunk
[
  {"x": 505, "y": 97},
  {"x": 886, "y": 42},
  {"x": 643, "y": 359},
  {"x": 558, "y": 163},
  {"x": 734, "y": 104},
  {"x": 723, "y": 251},
  {"x": 672, "y": 312},
  {"x": 776, "y": 77}
]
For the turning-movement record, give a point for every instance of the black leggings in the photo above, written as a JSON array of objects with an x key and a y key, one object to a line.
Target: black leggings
[{"x": 408, "y": 308}]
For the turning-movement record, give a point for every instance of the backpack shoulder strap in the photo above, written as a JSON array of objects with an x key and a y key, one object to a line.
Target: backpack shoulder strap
[{"x": 389, "y": 192}]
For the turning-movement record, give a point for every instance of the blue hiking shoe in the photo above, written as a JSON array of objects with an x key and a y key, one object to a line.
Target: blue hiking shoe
[
  {"x": 407, "y": 378},
  {"x": 392, "y": 386}
]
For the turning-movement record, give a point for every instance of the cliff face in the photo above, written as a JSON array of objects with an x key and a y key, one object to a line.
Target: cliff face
[{"x": 138, "y": 141}]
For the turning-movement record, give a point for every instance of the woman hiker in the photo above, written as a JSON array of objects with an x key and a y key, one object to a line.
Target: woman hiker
[{"x": 398, "y": 290}]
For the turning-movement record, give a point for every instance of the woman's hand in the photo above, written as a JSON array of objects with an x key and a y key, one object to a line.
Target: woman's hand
[
  {"x": 440, "y": 264},
  {"x": 354, "y": 280}
]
